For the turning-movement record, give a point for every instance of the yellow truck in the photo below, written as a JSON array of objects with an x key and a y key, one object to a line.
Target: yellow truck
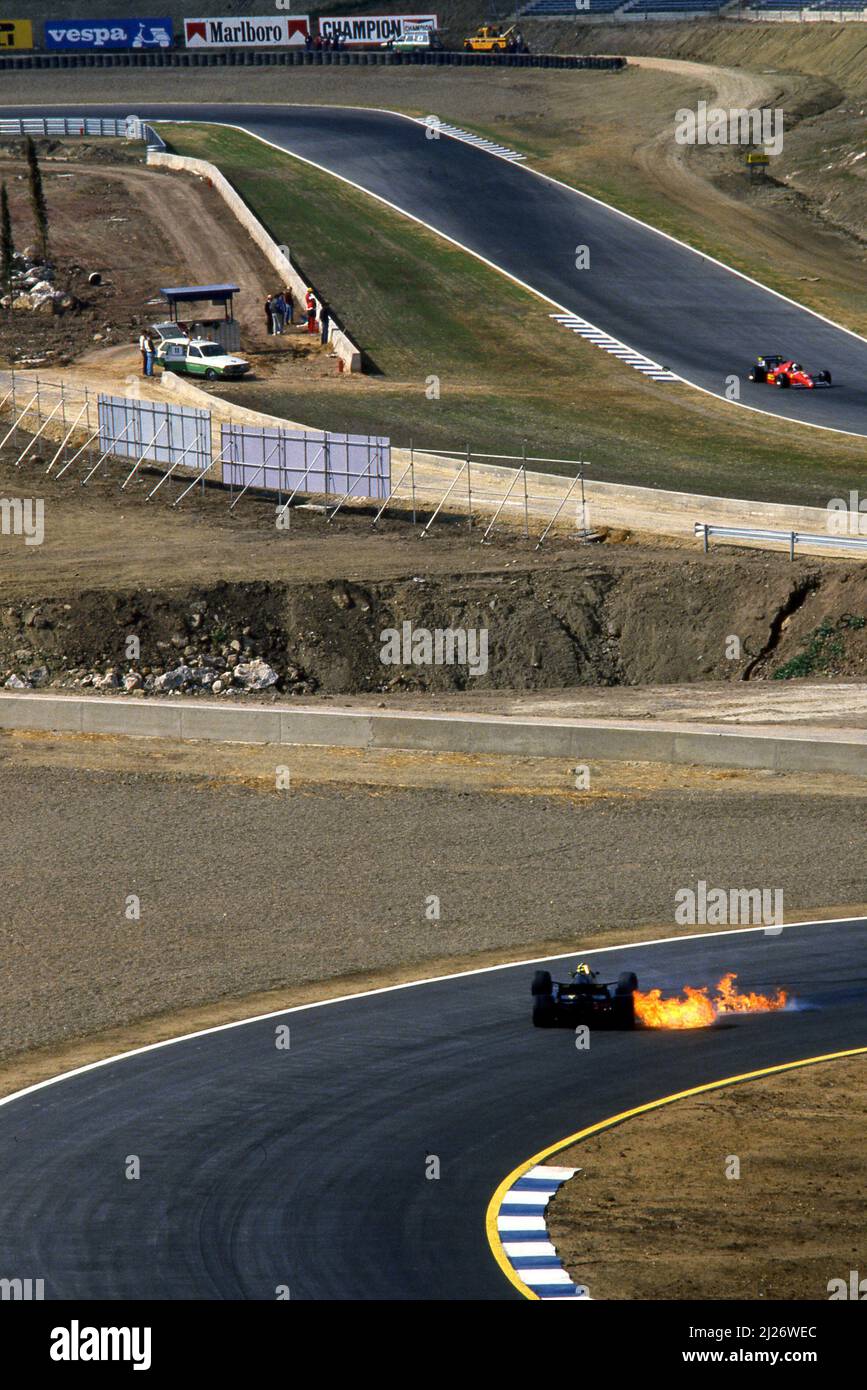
[{"x": 489, "y": 39}]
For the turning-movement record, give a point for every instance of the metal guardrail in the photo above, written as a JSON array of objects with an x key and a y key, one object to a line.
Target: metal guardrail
[
  {"x": 131, "y": 128},
  {"x": 791, "y": 538}
]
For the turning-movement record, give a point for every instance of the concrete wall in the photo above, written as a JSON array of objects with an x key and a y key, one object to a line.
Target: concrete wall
[
  {"x": 783, "y": 750},
  {"x": 341, "y": 344}
]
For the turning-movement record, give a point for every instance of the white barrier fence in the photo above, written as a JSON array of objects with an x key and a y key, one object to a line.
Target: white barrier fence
[
  {"x": 76, "y": 431},
  {"x": 289, "y": 462},
  {"x": 130, "y": 128},
  {"x": 155, "y": 433},
  {"x": 82, "y": 429}
]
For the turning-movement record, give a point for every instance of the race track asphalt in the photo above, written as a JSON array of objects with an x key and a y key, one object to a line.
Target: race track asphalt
[
  {"x": 676, "y": 306},
  {"x": 305, "y": 1167}
]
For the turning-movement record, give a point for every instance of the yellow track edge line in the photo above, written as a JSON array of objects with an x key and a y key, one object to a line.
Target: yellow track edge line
[{"x": 493, "y": 1210}]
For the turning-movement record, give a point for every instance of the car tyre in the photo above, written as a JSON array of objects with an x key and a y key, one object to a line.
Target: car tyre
[
  {"x": 543, "y": 1012},
  {"x": 757, "y": 374},
  {"x": 627, "y": 983},
  {"x": 624, "y": 1010},
  {"x": 541, "y": 983},
  {"x": 210, "y": 374},
  {"x": 782, "y": 381}
]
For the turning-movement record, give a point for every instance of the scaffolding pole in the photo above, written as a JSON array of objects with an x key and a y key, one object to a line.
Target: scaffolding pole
[
  {"x": 150, "y": 445},
  {"x": 102, "y": 457},
  {"x": 493, "y": 520},
  {"x": 66, "y": 438},
  {"x": 423, "y": 532},
  {"x": 393, "y": 493},
  {"x": 260, "y": 469},
  {"x": 565, "y": 499},
  {"x": 26, "y": 450}
]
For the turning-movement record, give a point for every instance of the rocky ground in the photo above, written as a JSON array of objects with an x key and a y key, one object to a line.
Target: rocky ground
[{"x": 599, "y": 617}]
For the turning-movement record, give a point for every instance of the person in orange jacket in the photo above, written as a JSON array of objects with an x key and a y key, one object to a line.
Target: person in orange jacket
[{"x": 311, "y": 310}]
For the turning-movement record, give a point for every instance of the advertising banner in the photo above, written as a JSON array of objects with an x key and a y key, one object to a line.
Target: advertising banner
[
  {"x": 254, "y": 31},
  {"x": 15, "y": 33},
  {"x": 373, "y": 29},
  {"x": 102, "y": 34}
]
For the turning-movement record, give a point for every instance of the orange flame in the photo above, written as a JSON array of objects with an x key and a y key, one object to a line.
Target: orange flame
[{"x": 698, "y": 1008}]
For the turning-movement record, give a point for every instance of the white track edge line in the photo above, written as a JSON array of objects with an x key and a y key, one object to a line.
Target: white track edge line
[
  {"x": 392, "y": 989},
  {"x": 416, "y": 120}
]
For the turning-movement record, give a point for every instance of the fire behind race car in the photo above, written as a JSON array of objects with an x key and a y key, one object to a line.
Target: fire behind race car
[
  {"x": 782, "y": 371},
  {"x": 585, "y": 999}
]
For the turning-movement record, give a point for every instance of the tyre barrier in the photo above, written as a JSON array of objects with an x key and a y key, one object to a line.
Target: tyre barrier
[{"x": 292, "y": 58}]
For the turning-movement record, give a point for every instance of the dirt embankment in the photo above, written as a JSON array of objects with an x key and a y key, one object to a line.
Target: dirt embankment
[
  {"x": 603, "y": 620},
  {"x": 834, "y": 51},
  {"x": 656, "y": 1213}
]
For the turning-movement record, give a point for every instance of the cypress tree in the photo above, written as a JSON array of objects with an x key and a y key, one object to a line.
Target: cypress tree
[
  {"x": 37, "y": 196},
  {"x": 7, "y": 248}
]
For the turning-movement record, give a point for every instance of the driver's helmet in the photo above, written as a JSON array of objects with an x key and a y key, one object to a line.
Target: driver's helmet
[
  {"x": 796, "y": 367},
  {"x": 582, "y": 968}
]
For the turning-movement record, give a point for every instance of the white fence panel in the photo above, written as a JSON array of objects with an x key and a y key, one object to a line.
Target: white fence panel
[
  {"x": 306, "y": 461},
  {"x": 158, "y": 432}
]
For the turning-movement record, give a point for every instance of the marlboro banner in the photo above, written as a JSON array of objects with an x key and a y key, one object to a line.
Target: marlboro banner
[{"x": 253, "y": 31}]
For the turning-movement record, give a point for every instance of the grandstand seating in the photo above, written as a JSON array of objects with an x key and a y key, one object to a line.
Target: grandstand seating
[
  {"x": 827, "y": 7},
  {"x": 673, "y": 6},
  {"x": 540, "y": 9},
  {"x": 567, "y": 8}
]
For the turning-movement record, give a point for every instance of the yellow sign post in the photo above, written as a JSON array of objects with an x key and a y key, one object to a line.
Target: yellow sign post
[
  {"x": 757, "y": 162},
  {"x": 15, "y": 33}
]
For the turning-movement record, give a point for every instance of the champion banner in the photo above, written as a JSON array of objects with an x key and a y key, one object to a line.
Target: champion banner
[
  {"x": 373, "y": 29},
  {"x": 254, "y": 31}
]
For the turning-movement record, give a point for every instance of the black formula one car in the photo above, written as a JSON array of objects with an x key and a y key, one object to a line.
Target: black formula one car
[{"x": 585, "y": 999}]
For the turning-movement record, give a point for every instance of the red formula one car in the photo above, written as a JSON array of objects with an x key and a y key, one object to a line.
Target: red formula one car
[{"x": 782, "y": 371}]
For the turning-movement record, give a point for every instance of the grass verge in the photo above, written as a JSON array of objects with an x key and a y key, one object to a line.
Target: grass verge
[{"x": 459, "y": 353}]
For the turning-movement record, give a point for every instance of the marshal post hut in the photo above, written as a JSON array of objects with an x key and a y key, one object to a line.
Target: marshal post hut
[{"x": 189, "y": 313}]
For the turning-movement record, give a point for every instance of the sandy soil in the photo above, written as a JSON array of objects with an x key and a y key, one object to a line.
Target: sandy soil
[{"x": 652, "y": 1215}]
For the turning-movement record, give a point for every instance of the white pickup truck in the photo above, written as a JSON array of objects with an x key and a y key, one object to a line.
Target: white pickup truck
[{"x": 414, "y": 39}]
